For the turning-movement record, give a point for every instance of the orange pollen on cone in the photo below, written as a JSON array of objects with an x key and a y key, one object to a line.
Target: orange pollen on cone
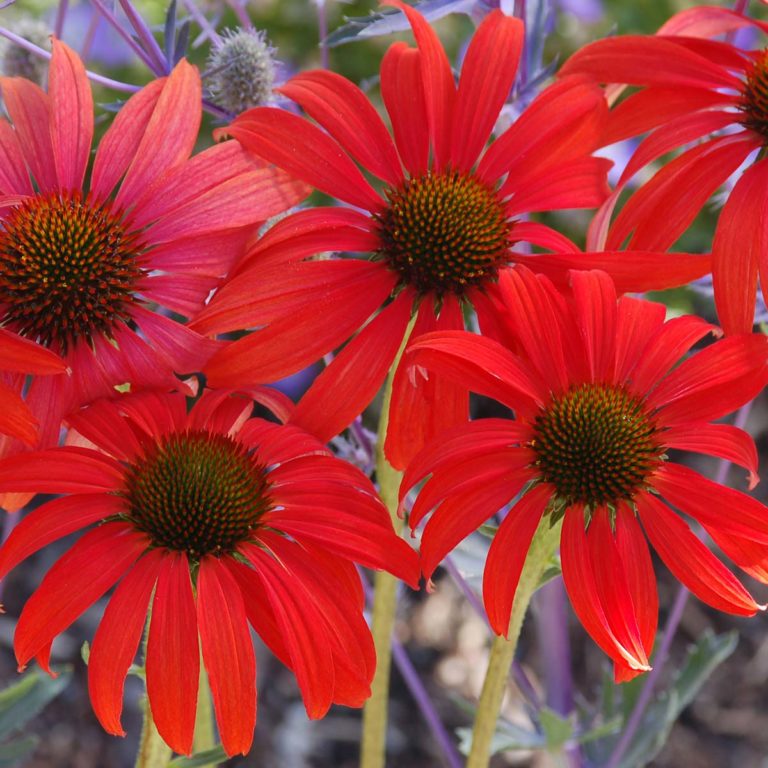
[
  {"x": 754, "y": 97},
  {"x": 68, "y": 269},
  {"x": 444, "y": 232},
  {"x": 596, "y": 444},
  {"x": 197, "y": 492}
]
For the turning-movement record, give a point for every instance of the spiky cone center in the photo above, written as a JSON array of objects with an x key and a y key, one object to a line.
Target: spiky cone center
[
  {"x": 68, "y": 269},
  {"x": 197, "y": 492},
  {"x": 596, "y": 444},
  {"x": 444, "y": 232},
  {"x": 754, "y": 97}
]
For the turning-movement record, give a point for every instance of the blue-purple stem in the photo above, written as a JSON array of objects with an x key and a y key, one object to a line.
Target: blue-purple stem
[
  {"x": 208, "y": 30},
  {"x": 150, "y": 45},
  {"x": 242, "y": 16},
  {"x": 673, "y": 621},
  {"x": 10, "y": 521},
  {"x": 551, "y": 618},
  {"x": 61, "y": 15},
  {"x": 322, "y": 31},
  {"x": 404, "y": 665},
  {"x": 520, "y": 12}
]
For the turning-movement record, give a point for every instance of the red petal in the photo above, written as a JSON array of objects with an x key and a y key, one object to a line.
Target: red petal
[
  {"x": 211, "y": 254},
  {"x": 117, "y": 638},
  {"x": 713, "y": 382},
  {"x": 52, "y": 521},
  {"x": 75, "y": 582},
  {"x": 637, "y": 322},
  {"x": 14, "y": 177},
  {"x": 347, "y": 386},
  {"x": 71, "y": 115},
  {"x": 586, "y": 596},
  {"x": 704, "y": 21},
  {"x": 481, "y": 365},
  {"x": 346, "y": 113},
  {"x": 305, "y": 152},
  {"x": 173, "y": 655},
  {"x": 543, "y": 236},
  {"x": 487, "y": 75},
  {"x": 168, "y": 137},
  {"x": 403, "y": 95},
  {"x": 690, "y": 561},
  {"x": 721, "y": 440},
  {"x": 740, "y": 249},
  {"x": 647, "y": 60},
  {"x": 120, "y": 143},
  {"x": 278, "y": 443},
  {"x": 422, "y": 408},
  {"x": 228, "y": 655},
  {"x": 437, "y": 78},
  {"x": 61, "y": 470},
  {"x": 16, "y": 420},
  {"x": 24, "y": 356},
  {"x": 302, "y": 628},
  {"x": 30, "y": 111}
]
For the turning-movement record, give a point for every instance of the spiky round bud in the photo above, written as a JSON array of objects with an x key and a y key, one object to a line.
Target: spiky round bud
[
  {"x": 242, "y": 70},
  {"x": 16, "y": 61}
]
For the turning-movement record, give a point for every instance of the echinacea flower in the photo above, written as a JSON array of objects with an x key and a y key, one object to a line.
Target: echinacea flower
[
  {"x": 229, "y": 520},
  {"x": 693, "y": 88},
  {"x": 82, "y": 266},
  {"x": 599, "y": 402},
  {"x": 21, "y": 357},
  {"x": 436, "y": 236}
]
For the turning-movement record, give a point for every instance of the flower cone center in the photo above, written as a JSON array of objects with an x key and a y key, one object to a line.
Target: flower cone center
[
  {"x": 596, "y": 445},
  {"x": 444, "y": 233},
  {"x": 197, "y": 492},
  {"x": 68, "y": 269},
  {"x": 754, "y": 97}
]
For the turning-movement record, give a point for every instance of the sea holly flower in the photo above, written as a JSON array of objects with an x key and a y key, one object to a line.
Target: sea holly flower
[
  {"x": 83, "y": 265},
  {"x": 435, "y": 237},
  {"x": 229, "y": 520},
  {"x": 693, "y": 88},
  {"x": 599, "y": 402}
]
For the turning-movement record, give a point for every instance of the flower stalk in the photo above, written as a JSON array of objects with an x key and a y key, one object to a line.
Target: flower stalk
[{"x": 503, "y": 649}]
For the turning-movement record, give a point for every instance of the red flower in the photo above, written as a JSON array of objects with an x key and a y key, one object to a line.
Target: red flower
[
  {"x": 439, "y": 232},
  {"x": 22, "y": 357},
  {"x": 598, "y": 403},
  {"x": 79, "y": 268},
  {"x": 260, "y": 517},
  {"x": 693, "y": 87}
]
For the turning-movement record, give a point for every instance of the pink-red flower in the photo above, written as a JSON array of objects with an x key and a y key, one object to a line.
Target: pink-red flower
[
  {"x": 599, "y": 402},
  {"x": 84, "y": 265},
  {"x": 432, "y": 231},
  {"x": 693, "y": 88},
  {"x": 229, "y": 520}
]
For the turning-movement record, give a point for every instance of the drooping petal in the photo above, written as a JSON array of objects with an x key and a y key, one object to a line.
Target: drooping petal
[
  {"x": 507, "y": 555},
  {"x": 76, "y": 581},
  {"x": 437, "y": 79},
  {"x": 71, "y": 116},
  {"x": 24, "y": 356},
  {"x": 52, "y": 521},
  {"x": 228, "y": 655},
  {"x": 740, "y": 250},
  {"x": 422, "y": 408},
  {"x": 487, "y": 75},
  {"x": 61, "y": 470},
  {"x": 403, "y": 95},
  {"x": 690, "y": 561},
  {"x": 117, "y": 638},
  {"x": 347, "y": 386},
  {"x": 173, "y": 655},
  {"x": 305, "y": 152},
  {"x": 346, "y": 113}
]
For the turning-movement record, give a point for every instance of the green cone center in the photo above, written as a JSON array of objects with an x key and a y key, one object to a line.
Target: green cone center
[
  {"x": 754, "y": 97},
  {"x": 197, "y": 492}
]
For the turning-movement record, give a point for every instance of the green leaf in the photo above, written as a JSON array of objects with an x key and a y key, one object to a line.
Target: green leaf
[
  {"x": 20, "y": 702},
  {"x": 201, "y": 759},
  {"x": 507, "y": 736},
  {"x": 557, "y": 729}
]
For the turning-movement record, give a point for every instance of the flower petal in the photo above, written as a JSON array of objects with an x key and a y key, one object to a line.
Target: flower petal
[
  {"x": 14, "y": 177},
  {"x": 228, "y": 655},
  {"x": 173, "y": 655}
]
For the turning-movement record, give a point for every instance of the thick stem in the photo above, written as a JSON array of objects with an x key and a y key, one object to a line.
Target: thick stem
[
  {"x": 205, "y": 738},
  {"x": 373, "y": 746},
  {"x": 153, "y": 751},
  {"x": 503, "y": 649}
]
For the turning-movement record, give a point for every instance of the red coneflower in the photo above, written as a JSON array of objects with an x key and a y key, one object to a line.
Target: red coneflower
[
  {"x": 439, "y": 232},
  {"x": 230, "y": 520},
  {"x": 598, "y": 403},
  {"x": 22, "y": 357},
  {"x": 80, "y": 267},
  {"x": 693, "y": 87}
]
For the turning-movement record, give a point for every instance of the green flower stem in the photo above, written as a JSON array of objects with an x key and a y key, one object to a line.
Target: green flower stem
[
  {"x": 204, "y": 735},
  {"x": 542, "y": 548},
  {"x": 153, "y": 751},
  {"x": 373, "y": 746}
]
